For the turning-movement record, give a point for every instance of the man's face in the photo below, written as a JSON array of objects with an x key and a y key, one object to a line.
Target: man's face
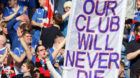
[
  {"x": 42, "y": 2},
  {"x": 59, "y": 39},
  {"x": 12, "y": 3},
  {"x": 24, "y": 68},
  {"x": 27, "y": 38},
  {"x": 138, "y": 3},
  {"x": 36, "y": 74},
  {"x": 66, "y": 9},
  {"x": 4, "y": 29},
  {"x": 42, "y": 52}
]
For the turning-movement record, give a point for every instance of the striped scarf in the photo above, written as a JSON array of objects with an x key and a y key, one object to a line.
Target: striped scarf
[
  {"x": 11, "y": 75},
  {"x": 43, "y": 74}
]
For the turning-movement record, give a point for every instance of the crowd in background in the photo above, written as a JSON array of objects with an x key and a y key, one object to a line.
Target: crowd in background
[{"x": 29, "y": 49}]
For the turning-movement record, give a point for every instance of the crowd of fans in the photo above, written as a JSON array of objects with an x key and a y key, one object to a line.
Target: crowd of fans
[
  {"x": 130, "y": 63},
  {"x": 28, "y": 49}
]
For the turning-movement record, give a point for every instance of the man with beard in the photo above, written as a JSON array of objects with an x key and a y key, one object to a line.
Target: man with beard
[{"x": 133, "y": 52}]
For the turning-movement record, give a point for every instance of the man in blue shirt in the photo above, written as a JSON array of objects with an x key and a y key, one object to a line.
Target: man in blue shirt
[
  {"x": 37, "y": 19},
  {"x": 13, "y": 10},
  {"x": 12, "y": 30},
  {"x": 10, "y": 13},
  {"x": 20, "y": 50}
]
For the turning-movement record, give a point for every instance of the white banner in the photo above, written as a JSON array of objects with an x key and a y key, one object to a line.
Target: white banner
[{"x": 94, "y": 40}]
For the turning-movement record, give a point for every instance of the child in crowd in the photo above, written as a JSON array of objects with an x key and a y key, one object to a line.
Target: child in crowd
[{"x": 27, "y": 70}]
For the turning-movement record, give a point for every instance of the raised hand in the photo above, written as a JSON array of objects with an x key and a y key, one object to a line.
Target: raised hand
[
  {"x": 7, "y": 48},
  {"x": 23, "y": 17},
  {"x": 17, "y": 9},
  {"x": 19, "y": 33},
  {"x": 41, "y": 25}
]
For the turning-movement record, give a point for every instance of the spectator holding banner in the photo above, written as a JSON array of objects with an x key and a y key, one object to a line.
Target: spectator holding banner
[{"x": 133, "y": 51}]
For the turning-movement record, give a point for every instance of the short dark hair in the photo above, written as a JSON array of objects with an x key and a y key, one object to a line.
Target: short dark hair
[
  {"x": 26, "y": 32},
  {"x": 36, "y": 49},
  {"x": 59, "y": 35},
  {"x": 26, "y": 27},
  {"x": 30, "y": 65},
  {"x": 1, "y": 10},
  {"x": 57, "y": 18}
]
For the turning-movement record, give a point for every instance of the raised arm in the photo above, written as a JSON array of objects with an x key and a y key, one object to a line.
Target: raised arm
[
  {"x": 25, "y": 10},
  {"x": 26, "y": 49},
  {"x": 19, "y": 18},
  {"x": 8, "y": 18},
  {"x": 17, "y": 58},
  {"x": 4, "y": 56},
  {"x": 35, "y": 18},
  {"x": 133, "y": 55},
  {"x": 53, "y": 72},
  {"x": 37, "y": 24},
  {"x": 56, "y": 51},
  {"x": 25, "y": 46},
  {"x": 64, "y": 16}
]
